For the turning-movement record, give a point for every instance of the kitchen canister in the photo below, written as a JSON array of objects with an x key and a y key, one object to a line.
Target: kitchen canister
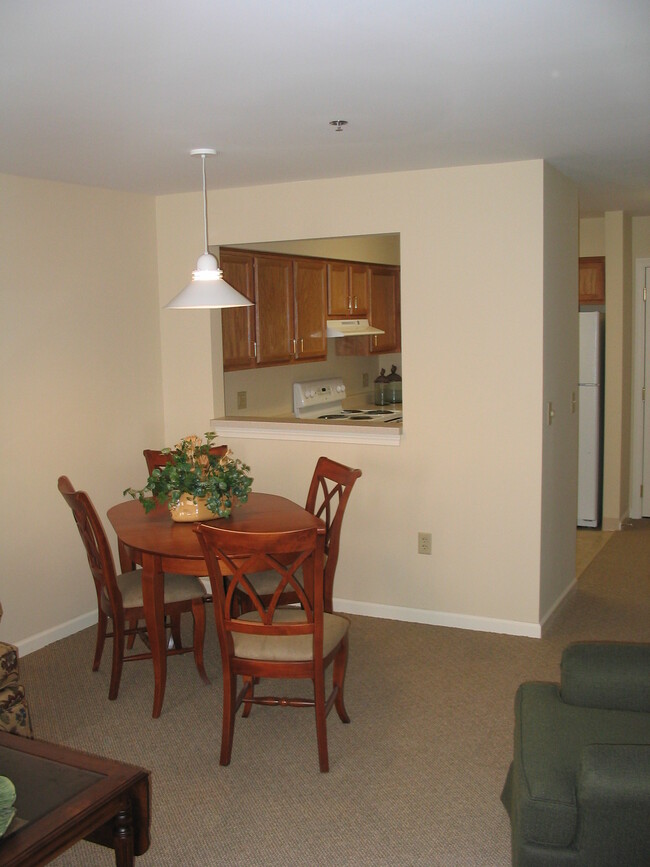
[
  {"x": 381, "y": 389},
  {"x": 394, "y": 386}
]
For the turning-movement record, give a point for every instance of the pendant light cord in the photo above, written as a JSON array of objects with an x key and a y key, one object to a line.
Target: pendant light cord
[{"x": 205, "y": 206}]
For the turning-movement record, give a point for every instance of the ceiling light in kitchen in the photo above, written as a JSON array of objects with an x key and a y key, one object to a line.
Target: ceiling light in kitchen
[
  {"x": 338, "y": 124},
  {"x": 208, "y": 289}
]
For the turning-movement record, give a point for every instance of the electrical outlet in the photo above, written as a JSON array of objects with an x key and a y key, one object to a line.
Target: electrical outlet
[
  {"x": 424, "y": 543},
  {"x": 365, "y": 379},
  {"x": 241, "y": 400}
]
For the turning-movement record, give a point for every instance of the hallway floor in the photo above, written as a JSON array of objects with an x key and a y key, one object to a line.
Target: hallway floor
[{"x": 589, "y": 543}]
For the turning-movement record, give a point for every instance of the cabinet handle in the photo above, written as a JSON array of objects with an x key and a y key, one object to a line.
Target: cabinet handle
[
  {"x": 302, "y": 345},
  {"x": 255, "y": 349},
  {"x": 375, "y": 339},
  {"x": 350, "y": 303},
  {"x": 294, "y": 345},
  {"x": 355, "y": 302}
]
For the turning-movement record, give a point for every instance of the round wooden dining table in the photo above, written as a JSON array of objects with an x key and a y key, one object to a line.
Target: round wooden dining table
[{"x": 158, "y": 544}]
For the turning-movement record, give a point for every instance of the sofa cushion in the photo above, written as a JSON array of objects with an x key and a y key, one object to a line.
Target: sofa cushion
[
  {"x": 607, "y": 674},
  {"x": 549, "y": 738},
  {"x": 8, "y": 664},
  {"x": 14, "y": 713}
]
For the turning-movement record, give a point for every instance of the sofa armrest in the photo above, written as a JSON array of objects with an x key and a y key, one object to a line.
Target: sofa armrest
[
  {"x": 613, "y": 795},
  {"x": 613, "y": 675}
]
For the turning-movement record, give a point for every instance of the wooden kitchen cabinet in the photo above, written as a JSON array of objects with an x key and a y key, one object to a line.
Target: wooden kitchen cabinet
[
  {"x": 310, "y": 299},
  {"x": 274, "y": 309},
  {"x": 238, "y": 323},
  {"x": 288, "y": 321},
  {"x": 293, "y": 295},
  {"x": 591, "y": 280},
  {"x": 383, "y": 312},
  {"x": 348, "y": 289}
]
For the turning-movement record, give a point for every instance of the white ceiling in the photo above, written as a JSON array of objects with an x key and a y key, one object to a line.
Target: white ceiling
[{"x": 115, "y": 93}]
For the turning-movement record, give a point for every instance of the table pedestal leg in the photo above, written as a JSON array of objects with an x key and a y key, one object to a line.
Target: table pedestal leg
[
  {"x": 123, "y": 839},
  {"x": 154, "y": 614}
]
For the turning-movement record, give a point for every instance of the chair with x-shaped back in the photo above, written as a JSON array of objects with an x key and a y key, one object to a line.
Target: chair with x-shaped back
[
  {"x": 268, "y": 640},
  {"x": 157, "y": 458},
  {"x": 119, "y": 597},
  {"x": 327, "y": 498}
]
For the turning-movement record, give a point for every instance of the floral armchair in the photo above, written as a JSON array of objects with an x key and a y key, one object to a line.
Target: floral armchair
[{"x": 14, "y": 713}]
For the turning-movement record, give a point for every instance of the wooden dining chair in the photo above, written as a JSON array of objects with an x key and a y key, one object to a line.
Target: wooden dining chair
[
  {"x": 119, "y": 597},
  {"x": 327, "y": 498},
  {"x": 268, "y": 640},
  {"x": 156, "y": 458}
]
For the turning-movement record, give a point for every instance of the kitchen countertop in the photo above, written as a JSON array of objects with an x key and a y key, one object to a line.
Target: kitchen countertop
[{"x": 314, "y": 430}]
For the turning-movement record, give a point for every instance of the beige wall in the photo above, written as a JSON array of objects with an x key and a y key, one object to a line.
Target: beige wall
[
  {"x": 592, "y": 236},
  {"x": 560, "y": 437},
  {"x": 469, "y": 469},
  {"x": 80, "y": 388},
  {"x": 95, "y": 371},
  {"x": 188, "y": 391},
  {"x": 362, "y": 248},
  {"x": 618, "y": 368},
  {"x": 640, "y": 238}
]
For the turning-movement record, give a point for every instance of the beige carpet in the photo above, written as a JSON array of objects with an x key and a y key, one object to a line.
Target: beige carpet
[
  {"x": 415, "y": 778},
  {"x": 588, "y": 543}
]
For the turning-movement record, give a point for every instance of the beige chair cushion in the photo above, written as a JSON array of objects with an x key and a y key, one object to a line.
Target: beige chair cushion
[
  {"x": 288, "y": 648},
  {"x": 177, "y": 588},
  {"x": 266, "y": 582}
]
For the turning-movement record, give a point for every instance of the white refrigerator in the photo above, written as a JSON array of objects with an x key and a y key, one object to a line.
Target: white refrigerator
[{"x": 589, "y": 419}]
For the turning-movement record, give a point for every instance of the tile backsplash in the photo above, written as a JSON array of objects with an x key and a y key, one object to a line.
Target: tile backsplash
[{"x": 269, "y": 390}]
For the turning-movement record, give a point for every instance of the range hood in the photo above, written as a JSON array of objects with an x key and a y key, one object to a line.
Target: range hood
[{"x": 350, "y": 328}]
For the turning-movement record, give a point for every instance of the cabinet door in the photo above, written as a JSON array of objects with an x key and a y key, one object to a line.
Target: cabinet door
[
  {"x": 591, "y": 280},
  {"x": 310, "y": 298},
  {"x": 238, "y": 323},
  {"x": 338, "y": 289},
  {"x": 274, "y": 310},
  {"x": 347, "y": 289},
  {"x": 384, "y": 309},
  {"x": 359, "y": 289}
]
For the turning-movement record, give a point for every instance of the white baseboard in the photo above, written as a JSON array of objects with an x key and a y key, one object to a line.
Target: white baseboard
[
  {"x": 439, "y": 618},
  {"x": 63, "y": 630},
  {"x": 555, "y": 608},
  {"x": 369, "y": 609},
  {"x": 612, "y": 525}
]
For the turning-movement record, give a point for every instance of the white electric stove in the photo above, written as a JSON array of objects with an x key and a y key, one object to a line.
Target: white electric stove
[{"x": 322, "y": 399}]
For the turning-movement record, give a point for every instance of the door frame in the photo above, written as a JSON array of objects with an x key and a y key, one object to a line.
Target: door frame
[{"x": 638, "y": 380}]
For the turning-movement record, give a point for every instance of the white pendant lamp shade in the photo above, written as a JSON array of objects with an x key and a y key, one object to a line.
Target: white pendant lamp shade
[{"x": 208, "y": 289}]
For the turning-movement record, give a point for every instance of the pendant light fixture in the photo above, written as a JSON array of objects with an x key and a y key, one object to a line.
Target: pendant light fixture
[{"x": 208, "y": 289}]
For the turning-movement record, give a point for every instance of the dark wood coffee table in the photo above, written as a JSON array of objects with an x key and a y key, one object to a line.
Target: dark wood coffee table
[{"x": 63, "y": 796}]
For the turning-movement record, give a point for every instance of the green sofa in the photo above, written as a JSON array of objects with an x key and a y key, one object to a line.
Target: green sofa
[{"x": 578, "y": 789}]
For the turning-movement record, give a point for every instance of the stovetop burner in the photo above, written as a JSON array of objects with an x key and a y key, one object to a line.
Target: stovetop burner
[
  {"x": 322, "y": 400},
  {"x": 378, "y": 411}
]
